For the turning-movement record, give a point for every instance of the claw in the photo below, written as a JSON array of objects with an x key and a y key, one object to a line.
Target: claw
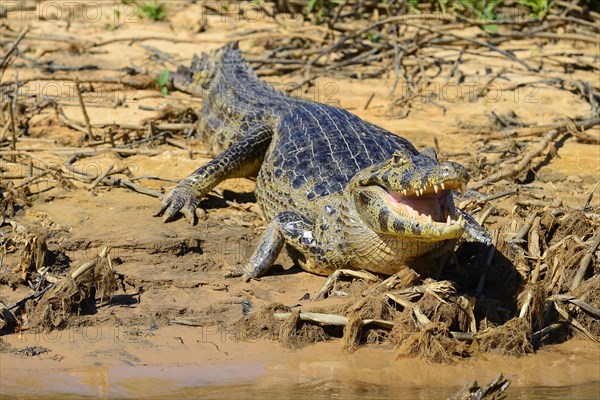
[
  {"x": 189, "y": 211},
  {"x": 171, "y": 211},
  {"x": 180, "y": 199},
  {"x": 161, "y": 211}
]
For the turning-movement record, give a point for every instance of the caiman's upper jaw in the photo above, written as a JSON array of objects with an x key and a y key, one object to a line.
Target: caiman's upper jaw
[{"x": 430, "y": 188}]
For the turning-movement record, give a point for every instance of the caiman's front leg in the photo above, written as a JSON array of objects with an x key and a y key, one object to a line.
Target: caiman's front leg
[
  {"x": 287, "y": 227},
  {"x": 242, "y": 159}
]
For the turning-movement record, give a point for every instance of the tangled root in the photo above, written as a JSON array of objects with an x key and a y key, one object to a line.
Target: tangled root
[
  {"x": 71, "y": 296},
  {"x": 513, "y": 338},
  {"x": 589, "y": 291},
  {"x": 295, "y": 334},
  {"x": 432, "y": 343},
  {"x": 260, "y": 324},
  {"x": 352, "y": 333}
]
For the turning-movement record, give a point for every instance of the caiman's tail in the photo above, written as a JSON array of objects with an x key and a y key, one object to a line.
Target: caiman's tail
[{"x": 196, "y": 78}]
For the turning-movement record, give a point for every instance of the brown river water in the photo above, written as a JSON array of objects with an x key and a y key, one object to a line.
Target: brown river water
[{"x": 263, "y": 370}]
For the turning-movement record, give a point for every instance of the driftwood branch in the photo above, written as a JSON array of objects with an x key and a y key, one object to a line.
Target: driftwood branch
[{"x": 509, "y": 171}]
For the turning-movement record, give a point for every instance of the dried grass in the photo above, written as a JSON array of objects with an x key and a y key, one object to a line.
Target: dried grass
[
  {"x": 295, "y": 334},
  {"x": 589, "y": 291},
  {"x": 374, "y": 306},
  {"x": 12, "y": 198},
  {"x": 71, "y": 297},
  {"x": 513, "y": 338},
  {"x": 292, "y": 333},
  {"x": 448, "y": 313},
  {"x": 352, "y": 333},
  {"x": 260, "y": 324},
  {"x": 432, "y": 343},
  {"x": 533, "y": 297},
  {"x": 574, "y": 223}
]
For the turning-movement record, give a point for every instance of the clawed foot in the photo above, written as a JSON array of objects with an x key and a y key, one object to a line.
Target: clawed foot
[
  {"x": 239, "y": 271},
  {"x": 181, "y": 199}
]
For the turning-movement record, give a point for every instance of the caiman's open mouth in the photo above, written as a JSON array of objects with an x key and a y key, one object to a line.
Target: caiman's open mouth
[{"x": 427, "y": 205}]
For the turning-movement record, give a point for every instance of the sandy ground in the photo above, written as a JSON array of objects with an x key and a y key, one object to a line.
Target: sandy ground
[{"x": 129, "y": 347}]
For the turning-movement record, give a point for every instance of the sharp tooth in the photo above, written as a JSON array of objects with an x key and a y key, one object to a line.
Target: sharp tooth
[
  {"x": 417, "y": 192},
  {"x": 435, "y": 188},
  {"x": 429, "y": 219},
  {"x": 448, "y": 220},
  {"x": 404, "y": 192},
  {"x": 443, "y": 186},
  {"x": 460, "y": 220}
]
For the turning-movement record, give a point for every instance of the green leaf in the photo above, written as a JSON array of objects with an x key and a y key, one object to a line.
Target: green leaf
[
  {"x": 374, "y": 37},
  {"x": 154, "y": 10},
  {"x": 163, "y": 78},
  {"x": 492, "y": 28}
]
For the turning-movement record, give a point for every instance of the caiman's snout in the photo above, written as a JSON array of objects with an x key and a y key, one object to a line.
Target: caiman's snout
[{"x": 411, "y": 195}]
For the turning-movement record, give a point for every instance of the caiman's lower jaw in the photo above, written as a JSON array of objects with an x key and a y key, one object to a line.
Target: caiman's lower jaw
[{"x": 428, "y": 212}]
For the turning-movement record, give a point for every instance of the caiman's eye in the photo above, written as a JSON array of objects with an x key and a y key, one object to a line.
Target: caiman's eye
[{"x": 399, "y": 158}]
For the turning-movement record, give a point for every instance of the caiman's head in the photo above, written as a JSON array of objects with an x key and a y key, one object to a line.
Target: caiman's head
[{"x": 410, "y": 196}]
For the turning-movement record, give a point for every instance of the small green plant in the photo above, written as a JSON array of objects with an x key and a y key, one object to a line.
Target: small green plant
[
  {"x": 479, "y": 9},
  {"x": 153, "y": 9},
  {"x": 414, "y": 6},
  {"x": 443, "y": 5},
  {"x": 374, "y": 37},
  {"x": 539, "y": 8},
  {"x": 162, "y": 80},
  {"x": 112, "y": 26},
  {"x": 321, "y": 8}
]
